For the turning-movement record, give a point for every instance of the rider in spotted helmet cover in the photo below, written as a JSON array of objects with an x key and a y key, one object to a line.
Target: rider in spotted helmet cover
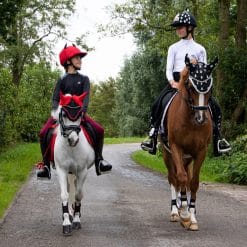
[{"x": 184, "y": 23}]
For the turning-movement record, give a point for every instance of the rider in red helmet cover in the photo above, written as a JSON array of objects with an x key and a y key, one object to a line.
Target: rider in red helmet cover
[{"x": 74, "y": 83}]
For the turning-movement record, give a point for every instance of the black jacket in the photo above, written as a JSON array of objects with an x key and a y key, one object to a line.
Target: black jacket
[{"x": 74, "y": 84}]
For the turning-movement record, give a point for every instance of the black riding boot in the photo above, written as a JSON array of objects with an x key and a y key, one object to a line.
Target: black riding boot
[
  {"x": 101, "y": 165},
  {"x": 44, "y": 167},
  {"x": 150, "y": 144},
  {"x": 220, "y": 145}
]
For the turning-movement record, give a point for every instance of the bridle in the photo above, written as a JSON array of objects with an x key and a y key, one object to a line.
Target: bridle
[
  {"x": 66, "y": 130},
  {"x": 202, "y": 87}
]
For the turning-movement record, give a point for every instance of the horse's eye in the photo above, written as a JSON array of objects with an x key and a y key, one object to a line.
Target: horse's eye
[{"x": 64, "y": 114}]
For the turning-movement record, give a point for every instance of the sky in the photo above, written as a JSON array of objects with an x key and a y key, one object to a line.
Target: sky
[{"x": 109, "y": 54}]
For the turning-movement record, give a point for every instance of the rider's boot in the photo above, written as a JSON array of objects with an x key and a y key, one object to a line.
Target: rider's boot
[
  {"x": 43, "y": 166},
  {"x": 220, "y": 145},
  {"x": 101, "y": 165},
  {"x": 150, "y": 144},
  {"x": 44, "y": 170}
]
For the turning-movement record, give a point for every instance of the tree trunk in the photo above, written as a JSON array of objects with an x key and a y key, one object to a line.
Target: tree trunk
[
  {"x": 239, "y": 114},
  {"x": 224, "y": 13},
  {"x": 241, "y": 24}
]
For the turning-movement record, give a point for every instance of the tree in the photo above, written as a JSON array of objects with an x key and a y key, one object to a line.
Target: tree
[
  {"x": 35, "y": 22},
  {"x": 8, "y": 10},
  {"x": 140, "y": 81},
  {"x": 102, "y": 103},
  {"x": 224, "y": 22},
  {"x": 239, "y": 113}
]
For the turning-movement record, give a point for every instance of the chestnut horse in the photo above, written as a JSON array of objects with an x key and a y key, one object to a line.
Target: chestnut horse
[{"x": 189, "y": 128}]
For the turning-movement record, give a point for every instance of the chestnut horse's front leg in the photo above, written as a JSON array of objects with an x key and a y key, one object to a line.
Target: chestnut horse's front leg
[
  {"x": 182, "y": 179},
  {"x": 194, "y": 185}
]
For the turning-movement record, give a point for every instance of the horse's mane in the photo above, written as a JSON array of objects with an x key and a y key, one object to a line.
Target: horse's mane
[{"x": 184, "y": 75}]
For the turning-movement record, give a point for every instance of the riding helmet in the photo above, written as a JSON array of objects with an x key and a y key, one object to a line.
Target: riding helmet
[
  {"x": 69, "y": 52},
  {"x": 184, "y": 19}
]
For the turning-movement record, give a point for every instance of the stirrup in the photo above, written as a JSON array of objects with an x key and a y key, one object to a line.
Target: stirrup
[
  {"x": 226, "y": 147},
  {"x": 149, "y": 146}
]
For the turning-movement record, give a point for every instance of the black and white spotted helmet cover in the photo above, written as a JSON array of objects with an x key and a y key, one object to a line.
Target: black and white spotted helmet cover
[{"x": 184, "y": 19}]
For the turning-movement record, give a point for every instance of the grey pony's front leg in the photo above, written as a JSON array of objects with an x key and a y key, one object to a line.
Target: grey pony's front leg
[
  {"x": 78, "y": 197},
  {"x": 62, "y": 177}
]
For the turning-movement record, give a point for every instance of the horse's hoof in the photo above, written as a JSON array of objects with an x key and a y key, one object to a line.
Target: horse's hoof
[
  {"x": 193, "y": 226},
  {"x": 76, "y": 225},
  {"x": 185, "y": 224},
  {"x": 67, "y": 230},
  {"x": 174, "y": 218}
]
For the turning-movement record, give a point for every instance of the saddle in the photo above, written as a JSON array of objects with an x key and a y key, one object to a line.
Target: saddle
[
  {"x": 162, "y": 130},
  {"x": 51, "y": 135}
]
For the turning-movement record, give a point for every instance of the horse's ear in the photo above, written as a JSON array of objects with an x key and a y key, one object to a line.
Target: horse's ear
[
  {"x": 82, "y": 96},
  {"x": 78, "y": 99},
  {"x": 187, "y": 60},
  {"x": 64, "y": 99},
  {"x": 212, "y": 65}
]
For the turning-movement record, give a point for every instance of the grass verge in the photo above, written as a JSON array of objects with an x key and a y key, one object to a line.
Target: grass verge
[
  {"x": 211, "y": 171},
  {"x": 15, "y": 166}
]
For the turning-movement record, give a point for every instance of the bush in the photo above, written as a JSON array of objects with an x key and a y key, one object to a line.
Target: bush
[{"x": 236, "y": 172}]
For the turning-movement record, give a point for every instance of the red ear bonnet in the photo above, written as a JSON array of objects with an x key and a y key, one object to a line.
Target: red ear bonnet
[{"x": 66, "y": 99}]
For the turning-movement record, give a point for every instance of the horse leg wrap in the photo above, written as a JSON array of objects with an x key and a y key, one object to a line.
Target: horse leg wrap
[
  {"x": 77, "y": 215},
  {"x": 192, "y": 205},
  {"x": 77, "y": 208},
  {"x": 65, "y": 208},
  {"x": 183, "y": 198},
  {"x": 174, "y": 203}
]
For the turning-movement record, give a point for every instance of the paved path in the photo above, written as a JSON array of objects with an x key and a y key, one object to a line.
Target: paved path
[{"x": 129, "y": 207}]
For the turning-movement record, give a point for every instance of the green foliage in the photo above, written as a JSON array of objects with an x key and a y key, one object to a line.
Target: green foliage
[
  {"x": 8, "y": 10},
  {"x": 102, "y": 102},
  {"x": 23, "y": 110},
  {"x": 7, "y": 107},
  {"x": 236, "y": 172},
  {"x": 34, "y": 100},
  {"x": 140, "y": 81}
]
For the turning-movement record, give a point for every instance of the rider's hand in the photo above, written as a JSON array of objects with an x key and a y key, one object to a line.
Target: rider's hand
[
  {"x": 193, "y": 61},
  {"x": 173, "y": 84}
]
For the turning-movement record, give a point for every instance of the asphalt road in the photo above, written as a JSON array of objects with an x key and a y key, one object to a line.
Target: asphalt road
[{"x": 129, "y": 207}]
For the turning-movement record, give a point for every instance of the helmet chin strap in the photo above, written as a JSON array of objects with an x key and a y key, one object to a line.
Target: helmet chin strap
[
  {"x": 76, "y": 68},
  {"x": 188, "y": 32}
]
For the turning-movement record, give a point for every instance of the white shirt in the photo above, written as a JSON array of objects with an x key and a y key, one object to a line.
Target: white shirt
[{"x": 176, "y": 55}]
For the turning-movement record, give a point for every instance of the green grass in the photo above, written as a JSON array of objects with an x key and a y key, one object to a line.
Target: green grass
[
  {"x": 15, "y": 166},
  {"x": 212, "y": 169},
  {"x": 147, "y": 160}
]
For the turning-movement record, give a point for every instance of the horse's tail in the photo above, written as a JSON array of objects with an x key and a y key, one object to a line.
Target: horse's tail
[{"x": 71, "y": 189}]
